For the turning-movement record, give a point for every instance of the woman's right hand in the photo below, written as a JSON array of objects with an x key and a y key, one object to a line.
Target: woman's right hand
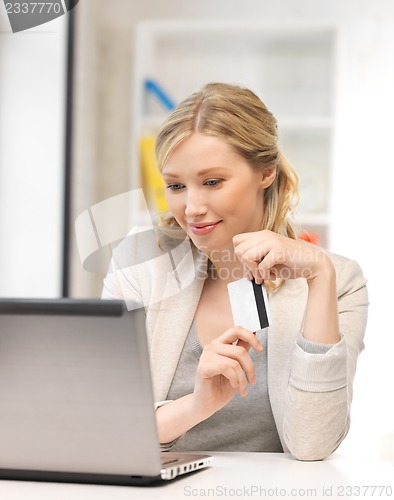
[{"x": 224, "y": 370}]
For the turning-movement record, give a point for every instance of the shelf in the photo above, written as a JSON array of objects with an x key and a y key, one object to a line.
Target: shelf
[
  {"x": 183, "y": 55},
  {"x": 257, "y": 30}
]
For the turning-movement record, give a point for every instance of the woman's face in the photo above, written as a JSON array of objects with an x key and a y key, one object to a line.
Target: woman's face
[{"x": 212, "y": 192}]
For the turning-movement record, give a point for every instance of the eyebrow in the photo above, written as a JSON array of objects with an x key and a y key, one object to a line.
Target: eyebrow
[{"x": 201, "y": 173}]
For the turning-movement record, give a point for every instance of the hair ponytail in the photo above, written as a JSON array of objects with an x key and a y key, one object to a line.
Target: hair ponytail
[{"x": 280, "y": 199}]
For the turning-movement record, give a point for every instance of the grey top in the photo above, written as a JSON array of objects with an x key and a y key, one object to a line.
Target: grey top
[{"x": 244, "y": 424}]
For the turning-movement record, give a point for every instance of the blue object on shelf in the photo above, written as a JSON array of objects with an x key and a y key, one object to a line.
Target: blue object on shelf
[{"x": 154, "y": 88}]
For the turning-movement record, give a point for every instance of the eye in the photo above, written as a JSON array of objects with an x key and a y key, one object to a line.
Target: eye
[
  {"x": 213, "y": 182},
  {"x": 175, "y": 187}
]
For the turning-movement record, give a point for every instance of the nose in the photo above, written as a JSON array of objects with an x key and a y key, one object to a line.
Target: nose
[{"x": 195, "y": 204}]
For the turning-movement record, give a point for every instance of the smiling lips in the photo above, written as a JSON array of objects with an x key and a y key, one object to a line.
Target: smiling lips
[{"x": 203, "y": 228}]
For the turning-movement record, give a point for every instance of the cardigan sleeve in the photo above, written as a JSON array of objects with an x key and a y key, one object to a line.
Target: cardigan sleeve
[{"x": 320, "y": 388}]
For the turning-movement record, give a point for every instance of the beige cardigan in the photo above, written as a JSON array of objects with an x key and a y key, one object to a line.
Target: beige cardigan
[{"x": 310, "y": 394}]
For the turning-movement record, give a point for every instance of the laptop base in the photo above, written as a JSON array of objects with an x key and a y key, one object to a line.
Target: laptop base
[{"x": 78, "y": 477}]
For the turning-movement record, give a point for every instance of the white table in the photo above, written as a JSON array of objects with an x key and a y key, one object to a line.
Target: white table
[{"x": 236, "y": 475}]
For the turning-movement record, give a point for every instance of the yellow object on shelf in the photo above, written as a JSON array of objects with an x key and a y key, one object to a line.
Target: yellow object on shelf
[{"x": 153, "y": 184}]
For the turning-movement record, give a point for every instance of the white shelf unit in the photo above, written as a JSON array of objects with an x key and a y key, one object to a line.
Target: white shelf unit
[{"x": 290, "y": 66}]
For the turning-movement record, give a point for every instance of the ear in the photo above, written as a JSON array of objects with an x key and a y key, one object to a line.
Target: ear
[{"x": 269, "y": 175}]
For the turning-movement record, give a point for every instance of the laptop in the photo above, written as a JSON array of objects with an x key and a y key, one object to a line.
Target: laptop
[{"x": 76, "y": 397}]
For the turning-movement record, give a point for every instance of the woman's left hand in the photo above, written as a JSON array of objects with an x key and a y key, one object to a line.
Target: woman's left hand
[{"x": 267, "y": 256}]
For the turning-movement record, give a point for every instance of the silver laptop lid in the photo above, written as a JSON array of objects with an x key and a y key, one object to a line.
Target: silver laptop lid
[{"x": 75, "y": 388}]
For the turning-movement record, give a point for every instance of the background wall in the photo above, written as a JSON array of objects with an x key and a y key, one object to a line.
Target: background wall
[
  {"x": 104, "y": 68},
  {"x": 362, "y": 156},
  {"x": 30, "y": 193},
  {"x": 32, "y": 122},
  {"x": 361, "y": 207}
]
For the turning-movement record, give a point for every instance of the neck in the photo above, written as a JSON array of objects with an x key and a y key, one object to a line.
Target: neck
[{"x": 224, "y": 265}]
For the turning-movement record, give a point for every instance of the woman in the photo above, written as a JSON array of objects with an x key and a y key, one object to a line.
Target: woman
[{"x": 220, "y": 386}]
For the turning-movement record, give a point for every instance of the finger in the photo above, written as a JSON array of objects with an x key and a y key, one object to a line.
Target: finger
[
  {"x": 239, "y": 355},
  {"x": 245, "y": 345},
  {"x": 259, "y": 279},
  {"x": 236, "y": 377},
  {"x": 251, "y": 251},
  {"x": 254, "y": 272},
  {"x": 256, "y": 253},
  {"x": 251, "y": 256},
  {"x": 272, "y": 258},
  {"x": 271, "y": 264},
  {"x": 226, "y": 367},
  {"x": 254, "y": 235},
  {"x": 277, "y": 271},
  {"x": 237, "y": 333},
  {"x": 248, "y": 274},
  {"x": 240, "y": 238}
]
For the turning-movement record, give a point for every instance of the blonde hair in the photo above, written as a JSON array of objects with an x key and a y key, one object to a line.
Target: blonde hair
[{"x": 242, "y": 119}]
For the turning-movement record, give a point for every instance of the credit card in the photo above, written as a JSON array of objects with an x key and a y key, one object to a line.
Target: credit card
[{"x": 249, "y": 304}]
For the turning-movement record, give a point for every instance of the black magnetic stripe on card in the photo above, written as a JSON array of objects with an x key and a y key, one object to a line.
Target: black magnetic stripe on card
[{"x": 261, "y": 310}]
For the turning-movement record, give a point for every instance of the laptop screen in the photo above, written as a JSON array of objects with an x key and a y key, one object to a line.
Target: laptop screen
[{"x": 75, "y": 388}]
